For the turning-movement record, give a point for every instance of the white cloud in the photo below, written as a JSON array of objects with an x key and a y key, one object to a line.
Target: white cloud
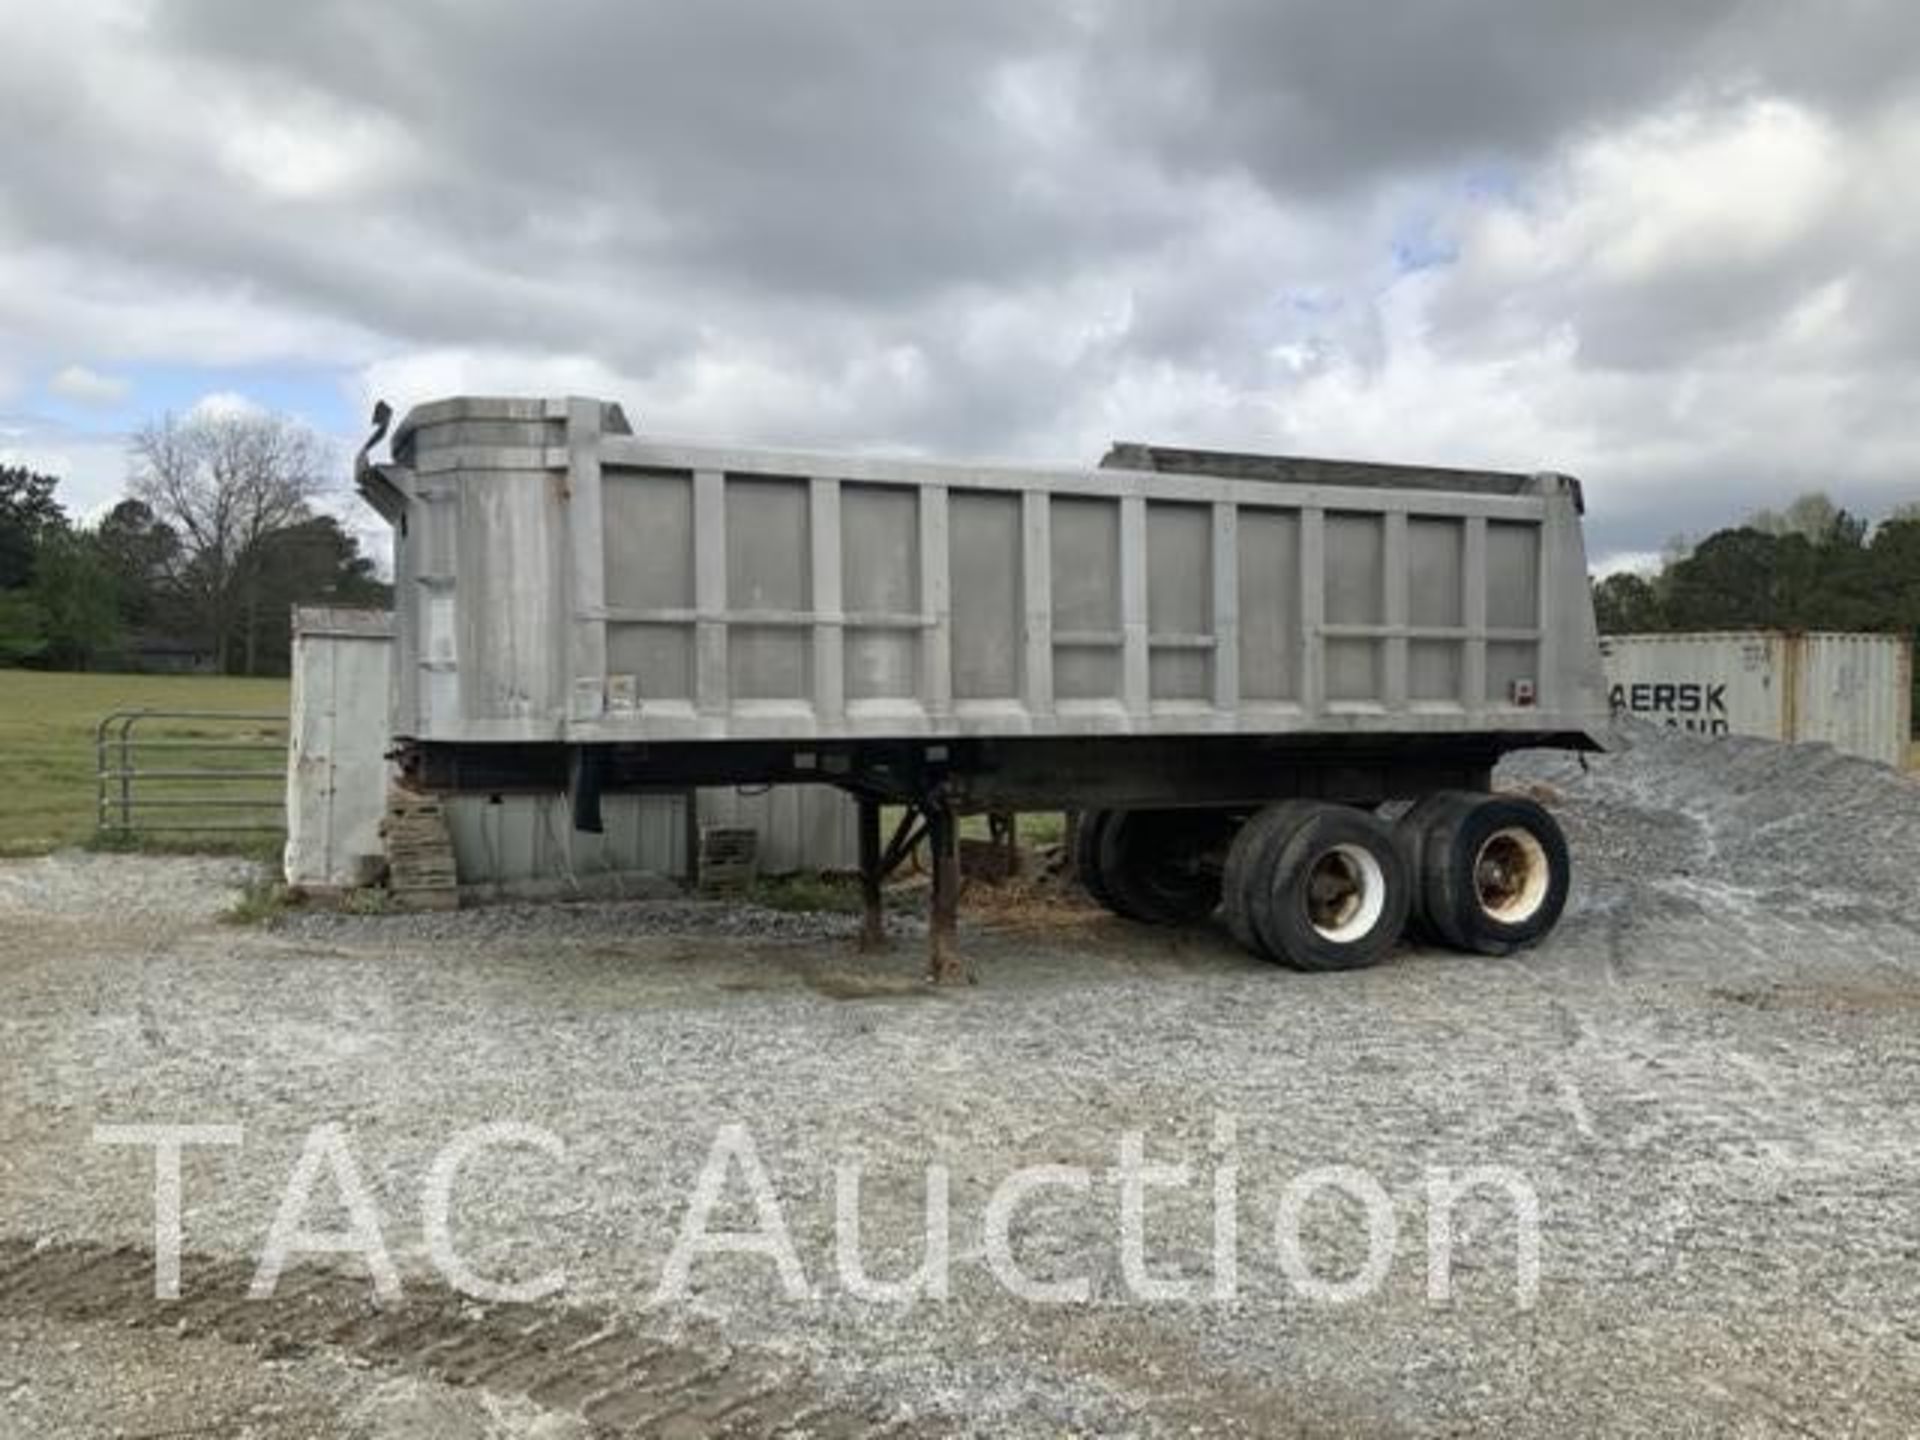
[
  {"x": 224, "y": 404},
  {"x": 123, "y": 308},
  {"x": 1629, "y": 562},
  {"x": 88, "y": 387},
  {"x": 306, "y": 151},
  {"x": 91, "y": 468},
  {"x": 1699, "y": 190}
]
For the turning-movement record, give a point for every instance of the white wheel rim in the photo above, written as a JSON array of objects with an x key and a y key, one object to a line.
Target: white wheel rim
[
  {"x": 1346, "y": 893},
  {"x": 1511, "y": 875}
]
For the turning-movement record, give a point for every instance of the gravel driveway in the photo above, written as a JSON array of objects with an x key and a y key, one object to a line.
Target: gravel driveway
[{"x": 1707, "y": 1079}]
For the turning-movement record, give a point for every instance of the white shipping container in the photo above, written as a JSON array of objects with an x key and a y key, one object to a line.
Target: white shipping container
[{"x": 1853, "y": 692}]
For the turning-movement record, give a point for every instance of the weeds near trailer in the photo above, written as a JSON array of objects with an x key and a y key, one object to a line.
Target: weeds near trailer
[
  {"x": 372, "y": 900},
  {"x": 807, "y": 893},
  {"x": 261, "y": 902}
]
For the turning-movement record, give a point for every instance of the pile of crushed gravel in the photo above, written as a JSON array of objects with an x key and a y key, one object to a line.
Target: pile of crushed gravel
[{"x": 1800, "y": 828}]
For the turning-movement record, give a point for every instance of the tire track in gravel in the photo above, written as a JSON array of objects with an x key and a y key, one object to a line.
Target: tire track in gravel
[{"x": 579, "y": 1361}]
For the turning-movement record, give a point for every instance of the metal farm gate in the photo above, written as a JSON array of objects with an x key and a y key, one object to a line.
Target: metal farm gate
[{"x": 190, "y": 772}]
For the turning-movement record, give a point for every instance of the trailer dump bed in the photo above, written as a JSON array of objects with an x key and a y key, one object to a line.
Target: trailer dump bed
[
  {"x": 562, "y": 580},
  {"x": 1221, "y": 663}
]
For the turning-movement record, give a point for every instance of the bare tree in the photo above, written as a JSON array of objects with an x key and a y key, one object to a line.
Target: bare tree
[{"x": 225, "y": 483}]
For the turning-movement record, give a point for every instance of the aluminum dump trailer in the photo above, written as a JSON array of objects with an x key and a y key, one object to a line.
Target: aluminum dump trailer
[{"x": 1166, "y": 643}]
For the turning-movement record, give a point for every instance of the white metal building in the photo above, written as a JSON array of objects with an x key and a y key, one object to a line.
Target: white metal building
[{"x": 337, "y": 777}]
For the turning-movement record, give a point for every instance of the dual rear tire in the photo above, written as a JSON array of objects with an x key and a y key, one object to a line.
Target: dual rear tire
[
  {"x": 1159, "y": 867},
  {"x": 1330, "y": 887},
  {"x": 1316, "y": 886},
  {"x": 1490, "y": 872}
]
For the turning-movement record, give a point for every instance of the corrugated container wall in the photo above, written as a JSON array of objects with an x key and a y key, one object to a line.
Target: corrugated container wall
[
  {"x": 337, "y": 777},
  {"x": 1853, "y": 692}
]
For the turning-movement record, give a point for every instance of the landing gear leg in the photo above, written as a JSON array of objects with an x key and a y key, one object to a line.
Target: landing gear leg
[
  {"x": 944, "y": 965},
  {"x": 873, "y": 921}
]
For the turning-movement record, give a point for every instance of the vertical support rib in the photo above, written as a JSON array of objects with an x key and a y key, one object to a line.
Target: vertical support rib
[
  {"x": 1313, "y": 609},
  {"x": 829, "y": 634},
  {"x": 1226, "y": 607},
  {"x": 1036, "y": 590},
  {"x": 1393, "y": 693},
  {"x": 710, "y": 592},
  {"x": 586, "y": 561},
  {"x": 1473, "y": 615},
  {"x": 873, "y": 924},
  {"x": 1135, "y": 675},
  {"x": 936, "y": 650}
]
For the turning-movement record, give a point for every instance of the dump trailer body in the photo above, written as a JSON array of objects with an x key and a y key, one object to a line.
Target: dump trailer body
[{"x": 563, "y": 584}]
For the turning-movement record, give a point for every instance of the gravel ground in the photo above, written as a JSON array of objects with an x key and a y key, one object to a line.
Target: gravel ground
[
  {"x": 584, "y": 920},
  {"x": 1706, "y": 1077}
]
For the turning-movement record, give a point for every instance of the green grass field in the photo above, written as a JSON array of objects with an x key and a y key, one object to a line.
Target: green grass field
[{"x": 47, "y": 744}]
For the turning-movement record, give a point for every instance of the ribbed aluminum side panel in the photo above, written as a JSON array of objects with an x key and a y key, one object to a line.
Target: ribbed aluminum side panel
[{"x": 591, "y": 586}]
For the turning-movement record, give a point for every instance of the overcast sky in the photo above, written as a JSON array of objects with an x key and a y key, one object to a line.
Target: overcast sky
[{"x": 1668, "y": 245}]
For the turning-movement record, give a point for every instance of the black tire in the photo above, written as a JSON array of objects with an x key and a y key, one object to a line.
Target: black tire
[
  {"x": 1086, "y": 856},
  {"x": 1248, "y": 866},
  {"x": 1336, "y": 891},
  {"x": 1153, "y": 863},
  {"x": 1494, "y": 873},
  {"x": 1411, "y": 831}
]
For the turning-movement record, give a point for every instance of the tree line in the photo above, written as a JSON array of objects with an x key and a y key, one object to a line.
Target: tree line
[
  {"x": 1812, "y": 566},
  {"x": 198, "y": 568}
]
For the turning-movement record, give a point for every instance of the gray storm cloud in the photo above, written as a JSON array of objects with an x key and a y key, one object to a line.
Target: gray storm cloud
[{"x": 1660, "y": 244}]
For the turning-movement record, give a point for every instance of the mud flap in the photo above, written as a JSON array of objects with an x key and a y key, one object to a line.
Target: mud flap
[{"x": 586, "y": 778}]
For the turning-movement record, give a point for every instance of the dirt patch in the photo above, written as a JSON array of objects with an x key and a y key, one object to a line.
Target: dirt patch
[
  {"x": 1840, "y": 996},
  {"x": 849, "y": 985},
  {"x": 572, "y": 1361}
]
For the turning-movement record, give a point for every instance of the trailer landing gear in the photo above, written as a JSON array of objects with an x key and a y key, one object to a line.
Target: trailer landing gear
[
  {"x": 944, "y": 965},
  {"x": 934, "y": 820},
  {"x": 873, "y": 921}
]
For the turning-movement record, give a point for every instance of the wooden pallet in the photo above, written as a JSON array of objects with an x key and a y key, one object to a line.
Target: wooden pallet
[
  {"x": 421, "y": 874},
  {"x": 729, "y": 857}
]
